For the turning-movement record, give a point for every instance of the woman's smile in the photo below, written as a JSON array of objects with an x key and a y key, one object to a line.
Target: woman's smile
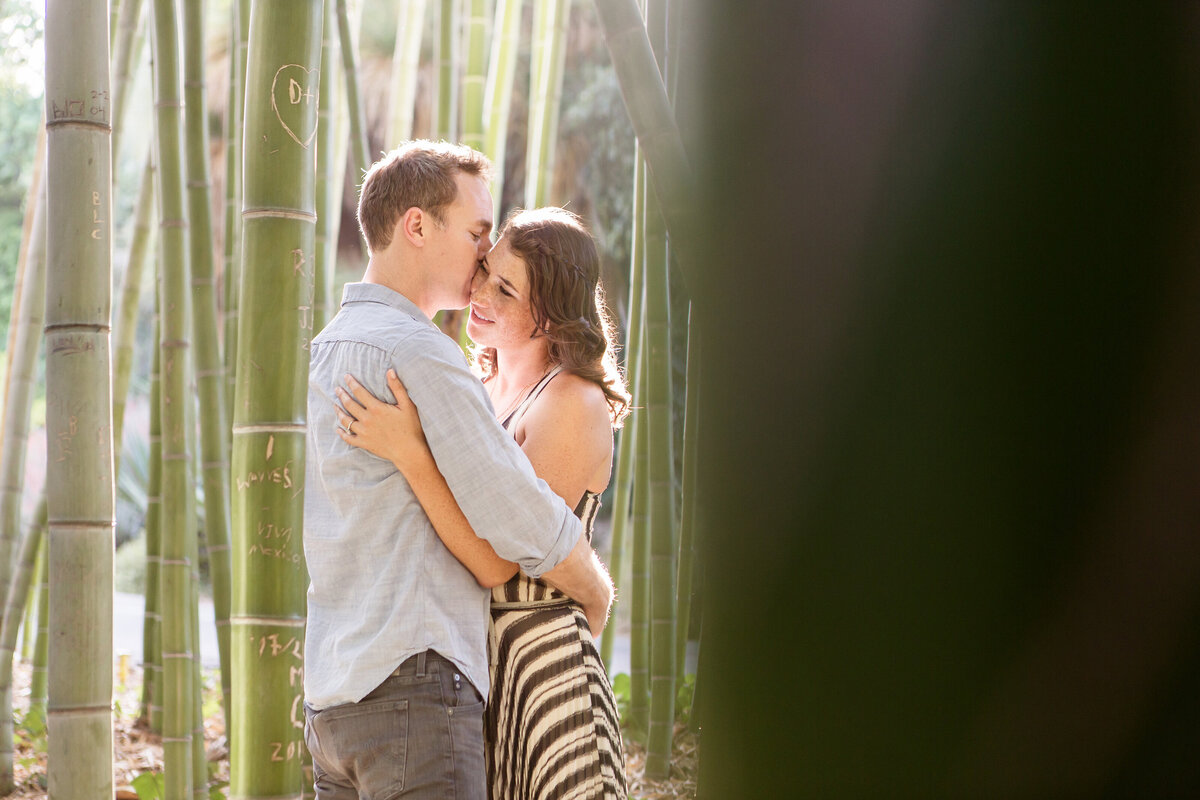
[{"x": 479, "y": 318}]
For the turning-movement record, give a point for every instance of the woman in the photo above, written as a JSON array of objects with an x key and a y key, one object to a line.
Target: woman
[{"x": 544, "y": 346}]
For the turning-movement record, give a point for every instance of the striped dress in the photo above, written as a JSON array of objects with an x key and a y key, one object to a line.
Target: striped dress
[{"x": 551, "y": 722}]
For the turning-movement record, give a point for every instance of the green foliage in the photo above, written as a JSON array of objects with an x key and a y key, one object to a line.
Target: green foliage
[
  {"x": 684, "y": 695},
  {"x": 620, "y": 685},
  {"x": 129, "y": 566},
  {"x": 148, "y": 785},
  {"x": 30, "y": 740},
  {"x": 593, "y": 112},
  {"x": 20, "y": 118}
]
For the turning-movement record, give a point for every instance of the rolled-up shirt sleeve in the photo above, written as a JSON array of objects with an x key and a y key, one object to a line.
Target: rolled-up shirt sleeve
[{"x": 495, "y": 486}]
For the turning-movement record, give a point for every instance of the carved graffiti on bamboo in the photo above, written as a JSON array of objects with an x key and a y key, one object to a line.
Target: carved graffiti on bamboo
[
  {"x": 273, "y": 646},
  {"x": 294, "y": 102},
  {"x": 302, "y": 271},
  {"x": 96, "y": 221},
  {"x": 91, "y": 107}
]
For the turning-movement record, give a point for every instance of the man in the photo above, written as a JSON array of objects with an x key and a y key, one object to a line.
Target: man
[{"x": 395, "y": 654}]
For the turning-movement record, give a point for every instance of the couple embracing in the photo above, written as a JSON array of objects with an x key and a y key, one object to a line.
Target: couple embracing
[{"x": 454, "y": 592}]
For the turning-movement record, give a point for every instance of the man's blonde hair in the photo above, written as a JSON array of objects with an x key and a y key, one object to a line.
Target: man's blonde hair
[{"x": 419, "y": 173}]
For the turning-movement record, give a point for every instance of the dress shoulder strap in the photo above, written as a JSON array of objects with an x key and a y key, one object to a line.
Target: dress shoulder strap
[{"x": 510, "y": 422}]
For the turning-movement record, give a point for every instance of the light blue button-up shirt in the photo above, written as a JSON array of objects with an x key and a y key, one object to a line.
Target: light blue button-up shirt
[{"x": 383, "y": 586}]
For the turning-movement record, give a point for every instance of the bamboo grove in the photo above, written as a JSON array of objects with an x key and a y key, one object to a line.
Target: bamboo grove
[{"x": 231, "y": 327}]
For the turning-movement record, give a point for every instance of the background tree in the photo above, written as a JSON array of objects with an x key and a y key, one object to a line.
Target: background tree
[
  {"x": 279, "y": 238},
  {"x": 79, "y": 476}
]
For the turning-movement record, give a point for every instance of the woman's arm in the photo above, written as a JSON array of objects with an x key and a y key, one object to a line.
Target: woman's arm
[{"x": 393, "y": 431}]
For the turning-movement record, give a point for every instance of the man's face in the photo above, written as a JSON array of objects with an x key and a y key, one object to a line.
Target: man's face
[{"x": 461, "y": 240}]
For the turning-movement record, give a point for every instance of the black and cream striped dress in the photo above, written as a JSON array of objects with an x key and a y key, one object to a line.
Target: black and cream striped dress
[{"x": 551, "y": 721}]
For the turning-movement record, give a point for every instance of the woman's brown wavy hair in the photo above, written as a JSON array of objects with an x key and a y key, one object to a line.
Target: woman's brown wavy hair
[{"x": 566, "y": 300}]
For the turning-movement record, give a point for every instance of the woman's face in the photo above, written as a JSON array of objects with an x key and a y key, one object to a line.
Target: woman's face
[{"x": 500, "y": 308}]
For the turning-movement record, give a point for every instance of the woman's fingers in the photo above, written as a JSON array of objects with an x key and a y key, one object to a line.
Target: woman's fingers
[
  {"x": 398, "y": 390},
  {"x": 361, "y": 394}
]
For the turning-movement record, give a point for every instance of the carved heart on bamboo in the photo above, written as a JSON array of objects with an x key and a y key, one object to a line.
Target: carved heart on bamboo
[{"x": 294, "y": 102}]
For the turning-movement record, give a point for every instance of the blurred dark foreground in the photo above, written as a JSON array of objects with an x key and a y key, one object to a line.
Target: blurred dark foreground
[{"x": 951, "y": 426}]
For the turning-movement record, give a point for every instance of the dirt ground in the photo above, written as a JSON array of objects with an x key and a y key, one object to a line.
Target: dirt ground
[{"x": 138, "y": 752}]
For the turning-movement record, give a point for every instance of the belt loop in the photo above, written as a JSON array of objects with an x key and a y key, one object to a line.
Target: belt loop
[{"x": 421, "y": 663}]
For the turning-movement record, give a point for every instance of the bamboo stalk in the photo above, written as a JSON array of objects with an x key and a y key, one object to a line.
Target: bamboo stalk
[
  {"x": 38, "y": 680},
  {"x": 535, "y": 126},
  {"x": 552, "y": 80},
  {"x": 125, "y": 326},
  {"x": 209, "y": 366},
  {"x": 639, "y": 604},
  {"x": 33, "y": 608},
  {"x": 79, "y": 477},
  {"x": 649, "y": 110},
  {"x": 177, "y": 488},
  {"x": 27, "y": 322},
  {"x": 474, "y": 78},
  {"x": 410, "y": 24},
  {"x": 448, "y": 68},
  {"x": 627, "y": 440},
  {"x": 690, "y": 501},
  {"x": 497, "y": 97},
  {"x": 359, "y": 146},
  {"x": 663, "y": 522},
  {"x": 127, "y": 47},
  {"x": 239, "y": 28},
  {"x": 152, "y": 666},
  {"x": 330, "y": 165},
  {"x": 279, "y": 237}
]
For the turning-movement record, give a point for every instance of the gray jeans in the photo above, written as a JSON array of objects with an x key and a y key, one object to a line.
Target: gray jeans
[{"x": 418, "y": 735}]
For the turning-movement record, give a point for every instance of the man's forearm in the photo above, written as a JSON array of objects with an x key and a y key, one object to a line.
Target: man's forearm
[{"x": 584, "y": 579}]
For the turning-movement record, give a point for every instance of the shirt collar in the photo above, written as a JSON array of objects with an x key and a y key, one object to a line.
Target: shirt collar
[{"x": 378, "y": 293}]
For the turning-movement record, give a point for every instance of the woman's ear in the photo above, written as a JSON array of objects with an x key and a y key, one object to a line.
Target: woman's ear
[{"x": 412, "y": 226}]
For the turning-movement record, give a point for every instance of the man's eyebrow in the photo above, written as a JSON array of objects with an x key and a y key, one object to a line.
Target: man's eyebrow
[{"x": 486, "y": 224}]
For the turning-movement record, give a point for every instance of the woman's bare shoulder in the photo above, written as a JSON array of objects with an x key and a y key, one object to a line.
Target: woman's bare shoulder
[{"x": 579, "y": 397}]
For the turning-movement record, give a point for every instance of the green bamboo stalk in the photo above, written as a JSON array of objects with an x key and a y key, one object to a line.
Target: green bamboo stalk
[
  {"x": 663, "y": 520},
  {"x": 25, "y": 334},
  {"x": 410, "y": 23},
  {"x": 558, "y": 17},
  {"x": 26, "y": 572},
  {"x": 497, "y": 97},
  {"x": 687, "y": 521},
  {"x": 359, "y": 146},
  {"x": 448, "y": 57},
  {"x": 474, "y": 77},
  {"x": 239, "y": 27},
  {"x": 177, "y": 488},
  {"x": 279, "y": 238},
  {"x": 125, "y": 327},
  {"x": 152, "y": 665},
  {"x": 79, "y": 475},
  {"x": 27, "y": 322},
  {"x": 33, "y": 608},
  {"x": 649, "y": 110},
  {"x": 539, "y": 47},
  {"x": 639, "y": 582},
  {"x": 126, "y": 48},
  {"x": 627, "y": 440},
  {"x": 331, "y": 163},
  {"x": 210, "y": 372},
  {"x": 199, "y": 753},
  {"x": 38, "y": 681}
]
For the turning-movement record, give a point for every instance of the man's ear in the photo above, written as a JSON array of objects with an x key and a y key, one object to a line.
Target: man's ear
[{"x": 412, "y": 226}]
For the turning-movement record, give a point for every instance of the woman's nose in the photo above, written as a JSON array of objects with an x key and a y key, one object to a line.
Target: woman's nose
[{"x": 477, "y": 284}]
